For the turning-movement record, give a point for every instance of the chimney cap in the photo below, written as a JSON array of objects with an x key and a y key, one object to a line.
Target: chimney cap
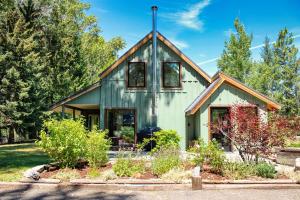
[{"x": 154, "y": 7}]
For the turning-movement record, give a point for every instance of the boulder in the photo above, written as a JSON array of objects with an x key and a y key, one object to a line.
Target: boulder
[{"x": 34, "y": 173}]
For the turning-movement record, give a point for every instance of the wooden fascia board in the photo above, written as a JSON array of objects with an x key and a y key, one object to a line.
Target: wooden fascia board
[
  {"x": 183, "y": 57},
  {"x": 250, "y": 91},
  {"x": 74, "y": 96},
  {"x": 200, "y": 103},
  {"x": 125, "y": 56}
]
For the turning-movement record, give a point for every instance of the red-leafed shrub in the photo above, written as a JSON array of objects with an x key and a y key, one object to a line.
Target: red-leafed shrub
[{"x": 254, "y": 134}]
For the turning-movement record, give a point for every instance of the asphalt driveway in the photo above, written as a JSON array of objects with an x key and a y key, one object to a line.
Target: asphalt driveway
[{"x": 27, "y": 192}]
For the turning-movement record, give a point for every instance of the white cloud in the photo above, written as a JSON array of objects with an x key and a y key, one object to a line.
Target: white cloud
[
  {"x": 190, "y": 16},
  {"x": 179, "y": 43}
]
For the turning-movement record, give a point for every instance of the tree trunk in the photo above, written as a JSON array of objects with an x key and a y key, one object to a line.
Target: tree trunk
[{"x": 11, "y": 135}]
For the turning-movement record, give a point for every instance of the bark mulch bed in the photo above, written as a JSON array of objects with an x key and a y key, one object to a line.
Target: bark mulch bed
[{"x": 205, "y": 173}]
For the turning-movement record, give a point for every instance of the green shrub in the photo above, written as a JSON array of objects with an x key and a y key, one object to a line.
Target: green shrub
[
  {"x": 127, "y": 167},
  {"x": 165, "y": 159},
  {"x": 64, "y": 140},
  {"x": 216, "y": 157},
  {"x": 127, "y": 133},
  {"x": 162, "y": 139},
  {"x": 96, "y": 148},
  {"x": 199, "y": 152},
  {"x": 294, "y": 144},
  {"x": 93, "y": 173},
  {"x": 209, "y": 153},
  {"x": 265, "y": 170},
  {"x": 241, "y": 170}
]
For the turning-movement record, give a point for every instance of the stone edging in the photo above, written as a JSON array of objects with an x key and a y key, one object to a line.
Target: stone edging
[
  {"x": 149, "y": 187},
  {"x": 157, "y": 182}
]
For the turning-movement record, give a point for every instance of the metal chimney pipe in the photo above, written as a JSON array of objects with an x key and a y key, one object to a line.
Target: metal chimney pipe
[{"x": 154, "y": 65}]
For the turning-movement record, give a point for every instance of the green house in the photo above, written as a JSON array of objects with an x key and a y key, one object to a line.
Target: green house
[{"x": 126, "y": 99}]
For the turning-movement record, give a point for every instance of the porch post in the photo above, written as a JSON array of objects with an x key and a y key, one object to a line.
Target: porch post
[{"x": 63, "y": 111}]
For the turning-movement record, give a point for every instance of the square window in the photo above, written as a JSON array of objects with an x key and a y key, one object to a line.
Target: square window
[
  {"x": 136, "y": 74},
  {"x": 171, "y": 75}
]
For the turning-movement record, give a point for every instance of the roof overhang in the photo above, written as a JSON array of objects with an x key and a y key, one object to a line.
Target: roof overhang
[
  {"x": 165, "y": 41},
  {"x": 220, "y": 78},
  {"x": 75, "y": 95}
]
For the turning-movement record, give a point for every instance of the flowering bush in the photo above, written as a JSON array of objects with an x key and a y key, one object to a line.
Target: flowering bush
[{"x": 251, "y": 135}]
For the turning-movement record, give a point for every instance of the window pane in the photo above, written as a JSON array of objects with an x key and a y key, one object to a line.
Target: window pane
[
  {"x": 220, "y": 117},
  {"x": 136, "y": 74},
  {"x": 171, "y": 74}
]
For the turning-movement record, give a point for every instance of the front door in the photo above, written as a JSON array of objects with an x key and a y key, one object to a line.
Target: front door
[{"x": 121, "y": 124}]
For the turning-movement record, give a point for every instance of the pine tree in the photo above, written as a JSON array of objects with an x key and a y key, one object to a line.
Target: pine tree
[
  {"x": 236, "y": 57},
  {"x": 44, "y": 56},
  {"x": 286, "y": 73},
  {"x": 261, "y": 76},
  {"x": 18, "y": 63}
]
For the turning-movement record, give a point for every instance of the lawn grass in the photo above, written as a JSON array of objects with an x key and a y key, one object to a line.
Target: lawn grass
[{"x": 16, "y": 158}]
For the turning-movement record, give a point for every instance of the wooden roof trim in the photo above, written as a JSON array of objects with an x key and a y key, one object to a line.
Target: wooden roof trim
[
  {"x": 167, "y": 43},
  {"x": 75, "y": 95},
  {"x": 125, "y": 56},
  {"x": 224, "y": 78},
  {"x": 183, "y": 57},
  {"x": 200, "y": 103},
  {"x": 250, "y": 91}
]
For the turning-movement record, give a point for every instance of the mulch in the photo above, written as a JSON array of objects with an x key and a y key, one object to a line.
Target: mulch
[{"x": 205, "y": 173}]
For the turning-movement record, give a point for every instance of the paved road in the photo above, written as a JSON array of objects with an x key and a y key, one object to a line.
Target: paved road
[{"x": 26, "y": 192}]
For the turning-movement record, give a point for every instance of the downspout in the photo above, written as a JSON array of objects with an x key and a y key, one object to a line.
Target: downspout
[{"x": 154, "y": 66}]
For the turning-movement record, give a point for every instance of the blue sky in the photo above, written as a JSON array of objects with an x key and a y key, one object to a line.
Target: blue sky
[{"x": 198, "y": 27}]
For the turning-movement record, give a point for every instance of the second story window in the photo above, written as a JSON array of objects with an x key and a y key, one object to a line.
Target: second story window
[
  {"x": 136, "y": 77},
  {"x": 171, "y": 75}
]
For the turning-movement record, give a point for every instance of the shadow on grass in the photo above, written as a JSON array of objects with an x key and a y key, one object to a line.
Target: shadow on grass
[
  {"x": 18, "y": 157},
  {"x": 70, "y": 192}
]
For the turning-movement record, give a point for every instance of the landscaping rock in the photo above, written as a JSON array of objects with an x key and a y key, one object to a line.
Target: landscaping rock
[
  {"x": 34, "y": 173},
  {"x": 297, "y": 164}
]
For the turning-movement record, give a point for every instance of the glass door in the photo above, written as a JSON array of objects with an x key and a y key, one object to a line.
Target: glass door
[{"x": 121, "y": 126}]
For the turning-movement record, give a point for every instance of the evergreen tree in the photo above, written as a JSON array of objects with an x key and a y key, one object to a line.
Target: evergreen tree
[
  {"x": 236, "y": 57},
  {"x": 261, "y": 76},
  {"x": 286, "y": 74},
  {"x": 19, "y": 66},
  {"x": 48, "y": 49}
]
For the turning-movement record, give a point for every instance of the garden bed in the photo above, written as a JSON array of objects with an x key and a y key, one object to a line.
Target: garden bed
[{"x": 81, "y": 176}]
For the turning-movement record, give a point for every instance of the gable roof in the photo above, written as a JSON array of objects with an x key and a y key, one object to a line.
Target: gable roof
[
  {"x": 165, "y": 41},
  {"x": 75, "y": 95},
  {"x": 218, "y": 79}
]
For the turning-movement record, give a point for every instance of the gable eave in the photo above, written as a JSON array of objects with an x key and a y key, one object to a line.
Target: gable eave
[
  {"x": 165, "y": 41},
  {"x": 128, "y": 53},
  {"x": 221, "y": 78},
  {"x": 75, "y": 95}
]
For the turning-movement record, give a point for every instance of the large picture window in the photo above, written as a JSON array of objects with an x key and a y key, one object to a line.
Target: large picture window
[
  {"x": 171, "y": 75},
  {"x": 136, "y": 75}
]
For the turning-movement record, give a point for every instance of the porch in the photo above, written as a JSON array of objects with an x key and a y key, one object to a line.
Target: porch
[{"x": 121, "y": 123}]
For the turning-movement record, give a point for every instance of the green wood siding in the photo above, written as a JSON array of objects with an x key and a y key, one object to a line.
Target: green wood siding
[
  {"x": 225, "y": 95},
  {"x": 171, "y": 103},
  {"x": 91, "y": 97}
]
